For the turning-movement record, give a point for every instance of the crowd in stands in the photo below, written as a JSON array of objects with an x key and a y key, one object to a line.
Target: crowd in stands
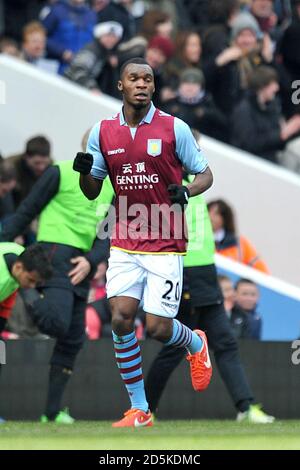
[
  {"x": 226, "y": 67},
  {"x": 230, "y": 68},
  {"x": 18, "y": 175}
]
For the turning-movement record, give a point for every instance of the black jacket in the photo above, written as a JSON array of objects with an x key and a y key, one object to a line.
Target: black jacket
[
  {"x": 239, "y": 323},
  {"x": 255, "y": 129},
  {"x": 204, "y": 116}
]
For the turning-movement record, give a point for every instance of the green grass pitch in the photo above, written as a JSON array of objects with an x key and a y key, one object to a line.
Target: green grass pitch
[{"x": 164, "y": 435}]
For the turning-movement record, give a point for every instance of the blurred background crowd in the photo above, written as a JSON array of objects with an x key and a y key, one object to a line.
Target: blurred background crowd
[{"x": 229, "y": 68}]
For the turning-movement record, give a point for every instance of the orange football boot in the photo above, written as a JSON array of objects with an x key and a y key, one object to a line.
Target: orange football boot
[
  {"x": 200, "y": 365},
  {"x": 134, "y": 419}
]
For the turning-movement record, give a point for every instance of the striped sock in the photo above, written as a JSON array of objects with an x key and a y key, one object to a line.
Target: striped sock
[
  {"x": 184, "y": 337},
  {"x": 128, "y": 355}
]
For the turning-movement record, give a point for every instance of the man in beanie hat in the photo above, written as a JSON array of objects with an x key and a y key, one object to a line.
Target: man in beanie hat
[
  {"x": 69, "y": 27},
  {"x": 196, "y": 107},
  {"x": 96, "y": 66}
]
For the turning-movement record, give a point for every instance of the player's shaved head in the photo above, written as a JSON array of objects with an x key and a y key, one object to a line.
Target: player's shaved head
[{"x": 134, "y": 61}]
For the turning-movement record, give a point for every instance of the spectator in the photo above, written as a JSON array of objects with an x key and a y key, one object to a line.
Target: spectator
[
  {"x": 7, "y": 184},
  {"x": 160, "y": 49},
  {"x": 69, "y": 26},
  {"x": 135, "y": 47},
  {"x": 228, "y": 243},
  {"x": 174, "y": 8},
  {"x": 216, "y": 39},
  {"x": 229, "y": 75},
  {"x": 257, "y": 122},
  {"x": 188, "y": 49},
  {"x": 96, "y": 66},
  {"x": 30, "y": 165},
  {"x": 195, "y": 106},
  {"x": 198, "y": 13},
  {"x": 17, "y": 13},
  {"x": 237, "y": 317},
  {"x": 263, "y": 12},
  {"x": 118, "y": 11},
  {"x": 290, "y": 59},
  {"x": 34, "y": 47},
  {"x": 247, "y": 296},
  {"x": 10, "y": 47},
  {"x": 156, "y": 22}
]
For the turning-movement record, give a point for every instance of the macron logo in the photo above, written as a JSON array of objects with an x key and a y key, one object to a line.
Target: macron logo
[{"x": 115, "y": 152}]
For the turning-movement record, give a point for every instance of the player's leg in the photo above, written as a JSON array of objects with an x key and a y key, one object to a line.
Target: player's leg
[
  {"x": 166, "y": 361},
  {"x": 124, "y": 289},
  {"x": 214, "y": 321},
  {"x": 162, "y": 295}
]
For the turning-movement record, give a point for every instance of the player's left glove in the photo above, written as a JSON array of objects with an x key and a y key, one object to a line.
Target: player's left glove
[{"x": 179, "y": 194}]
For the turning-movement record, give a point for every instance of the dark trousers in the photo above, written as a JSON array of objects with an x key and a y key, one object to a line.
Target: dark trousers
[
  {"x": 61, "y": 314},
  {"x": 214, "y": 321},
  {"x": 2, "y": 324}
]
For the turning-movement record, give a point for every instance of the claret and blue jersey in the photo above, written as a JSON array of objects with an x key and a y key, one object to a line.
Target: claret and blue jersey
[{"x": 141, "y": 163}]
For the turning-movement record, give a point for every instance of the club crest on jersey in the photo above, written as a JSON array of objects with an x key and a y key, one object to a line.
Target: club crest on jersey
[{"x": 154, "y": 147}]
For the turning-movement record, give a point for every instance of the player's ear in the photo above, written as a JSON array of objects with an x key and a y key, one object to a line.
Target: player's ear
[{"x": 120, "y": 85}]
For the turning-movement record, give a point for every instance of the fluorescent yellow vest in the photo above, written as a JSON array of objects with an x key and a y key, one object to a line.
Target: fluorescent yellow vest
[
  {"x": 8, "y": 284},
  {"x": 70, "y": 218}
]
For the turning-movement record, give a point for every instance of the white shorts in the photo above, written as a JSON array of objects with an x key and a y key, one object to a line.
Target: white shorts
[{"x": 154, "y": 279}]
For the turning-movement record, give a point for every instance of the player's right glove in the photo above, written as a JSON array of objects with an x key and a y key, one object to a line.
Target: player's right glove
[{"x": 83, "y": 163}]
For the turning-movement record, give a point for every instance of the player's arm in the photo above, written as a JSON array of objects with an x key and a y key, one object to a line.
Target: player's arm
[
  {"x": 192, "y": 158},
  {"x": 90, "y": 187},
  {"x": 194, "y": 162},
  {"x": 201, "y": 183},
  {"x": 91, "y": 166}
]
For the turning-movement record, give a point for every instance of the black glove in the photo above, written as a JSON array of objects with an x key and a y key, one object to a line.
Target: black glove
[
  {"x": 179, "y": 194},
  {"x": 83, "y": 163}
]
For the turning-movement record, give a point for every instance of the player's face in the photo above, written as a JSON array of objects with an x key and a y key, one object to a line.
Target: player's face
[{"x": 137, "y": 85}]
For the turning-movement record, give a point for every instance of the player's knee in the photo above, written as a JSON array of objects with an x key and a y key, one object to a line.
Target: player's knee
[
  {"x": 159, "y": 332},
  {"x": 121, "y": 320}
]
